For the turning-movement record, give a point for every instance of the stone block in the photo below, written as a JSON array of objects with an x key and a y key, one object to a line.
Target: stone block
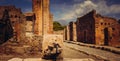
[
  {"x": 33, "y": 59},
  {"x": 16, "y": 59},
  {"x": 19, "y": 50},
  {"x": 52, "y": 46}
]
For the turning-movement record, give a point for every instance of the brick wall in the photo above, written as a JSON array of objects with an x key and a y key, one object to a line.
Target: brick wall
[
  {"x": 94, "y": 28},
  {"x": 16, "y": 18}
]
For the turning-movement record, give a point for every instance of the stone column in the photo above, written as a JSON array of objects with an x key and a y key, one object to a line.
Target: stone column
[
  {"x": 68, "y": 33},
  {"x": 74, "y": 32},
  {"x": 51, "y": 24},
  {"x": 46, "y": 17},
  {"x": 38, "y": 10},
  {"x": 65, "y": 33}
]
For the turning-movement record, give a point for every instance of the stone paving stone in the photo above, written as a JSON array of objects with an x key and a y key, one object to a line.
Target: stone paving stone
[
  {"x": 16, "y": 59},
  {"x": 86, "y": 59},
  {"x": 97, "y": 52},
  {"x": 33, "y": 59}
]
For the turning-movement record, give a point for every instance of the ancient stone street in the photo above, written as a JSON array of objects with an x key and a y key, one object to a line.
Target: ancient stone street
[
  {"x": 75, "y": 52},
  {"x": 94, "y": 52}
]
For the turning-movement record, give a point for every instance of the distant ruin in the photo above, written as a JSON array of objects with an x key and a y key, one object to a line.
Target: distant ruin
[{"x": 94, "y": 28}]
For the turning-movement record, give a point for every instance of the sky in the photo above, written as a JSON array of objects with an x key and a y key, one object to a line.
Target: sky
[{"x": 65, "y": 11}]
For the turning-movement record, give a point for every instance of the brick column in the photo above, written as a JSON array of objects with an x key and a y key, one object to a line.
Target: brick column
[
  {"x": 51, "y": 24},
  {"x": 46, "y": 17},
  {"x": 68, "y": 33},
  {"x": 74, "y": 32},
  {"x": 37, "y": 9}
]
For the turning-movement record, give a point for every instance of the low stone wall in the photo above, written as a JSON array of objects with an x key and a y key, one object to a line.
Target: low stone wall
[{"x": 30, "y": 46}]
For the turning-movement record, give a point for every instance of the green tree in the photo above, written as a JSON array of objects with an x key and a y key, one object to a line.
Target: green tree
[{"x": 57, "y": 26}]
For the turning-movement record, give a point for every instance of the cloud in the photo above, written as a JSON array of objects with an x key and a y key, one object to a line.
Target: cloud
[
  {"x": 103, "y": 8},
  {"x": 71, "y": 12},
  {"x": 27, "y": 10},
  {"x": 82, "y": 8}
]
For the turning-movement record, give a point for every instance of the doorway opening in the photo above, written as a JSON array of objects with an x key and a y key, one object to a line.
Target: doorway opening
[
  {"x": 85, "y": 37},
  {"x": 106, "y": 36}
]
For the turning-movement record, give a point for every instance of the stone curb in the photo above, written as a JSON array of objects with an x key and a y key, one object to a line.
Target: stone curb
[{"x": 106, "y": 48}]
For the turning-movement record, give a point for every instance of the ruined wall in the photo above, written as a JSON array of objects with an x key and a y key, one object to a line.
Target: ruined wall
[
  {"x": 22, "y": 29},
  {"x": 73, "y": 36},
  {"x": 16, "y": 18},
  {"x": 29, "y": 26},
  {"x": 86, "y": 28},
  {"x": 114, "y": 36},
  {"x": 2, "y": 32},
  {"x": 97, "y": 29},
  {"x": 6, "y": 30},
  {"x": 107, "y": 30},
  {"x": 94, "y": 28},
  {"x": 29, "y": 23}
]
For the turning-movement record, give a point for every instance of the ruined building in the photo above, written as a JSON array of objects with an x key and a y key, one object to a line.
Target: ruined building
[
  {"x": 16, "y": 19},
  {"x": 30, "y": 19},
  {"x": 86, "y": 29},
  {"x": 95, "y": 29},
  {"x": 30, "y": 30},
  {"x": 43, "y": 17},
  {"x": 72, "y": 30},
  {"x": 6, "y": 30},
  {"x": 67, "y": 33},
  {"x": 38, "y": 22}
]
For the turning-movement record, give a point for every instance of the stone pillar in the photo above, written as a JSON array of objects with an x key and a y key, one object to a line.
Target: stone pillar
[
  {"x": 51, "y": 24},
  {"x": 65, "y": 33},
  {"x": 42, "y": 13},
  {"x": 38, "y": 10},
  {"x": 68, "y": 33},
  {"x": 74, "y": 32},
  {"x": 46, "y": 17}
]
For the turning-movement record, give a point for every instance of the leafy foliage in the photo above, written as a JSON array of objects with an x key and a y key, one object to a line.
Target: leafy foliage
[{"x": 57, "y": 26}]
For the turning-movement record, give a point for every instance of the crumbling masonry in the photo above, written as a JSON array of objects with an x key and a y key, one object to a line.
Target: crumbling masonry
[
  {"x": 96, "y": 29},
  {"x": 43, "y": 17}
]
